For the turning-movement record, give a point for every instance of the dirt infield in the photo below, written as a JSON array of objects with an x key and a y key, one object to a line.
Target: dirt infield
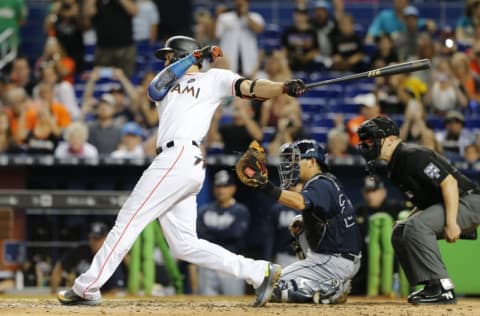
[{"x": 195, "y": 306}]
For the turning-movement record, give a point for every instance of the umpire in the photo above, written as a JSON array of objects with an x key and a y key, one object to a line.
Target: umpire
[{"x": 446, "y": 203}]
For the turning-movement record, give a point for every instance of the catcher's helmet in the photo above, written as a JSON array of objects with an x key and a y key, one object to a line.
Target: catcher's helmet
[
  {"x": 290, "y": 156},
  {"x": 371, "y": 133},
  {"x": 180, "y": 45}
]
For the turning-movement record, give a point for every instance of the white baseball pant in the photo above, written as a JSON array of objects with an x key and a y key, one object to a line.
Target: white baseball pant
[{"x": 166, "y": 191}]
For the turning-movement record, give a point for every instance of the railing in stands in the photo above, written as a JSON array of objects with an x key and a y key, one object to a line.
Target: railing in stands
[{"x": 8, "y": 52}]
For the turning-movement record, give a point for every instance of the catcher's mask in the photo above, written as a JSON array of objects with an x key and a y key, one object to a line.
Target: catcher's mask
[
  {"x": 371, "y": 134},
  {"x": 180, "y": 46},
  {"x": 290, "y": 156}
]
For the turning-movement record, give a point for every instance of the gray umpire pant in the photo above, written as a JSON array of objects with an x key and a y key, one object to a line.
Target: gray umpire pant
[{"x": 415, "y": 239}]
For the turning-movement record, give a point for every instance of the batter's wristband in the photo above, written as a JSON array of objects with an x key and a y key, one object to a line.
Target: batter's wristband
[{"x": 272, "y": 190}]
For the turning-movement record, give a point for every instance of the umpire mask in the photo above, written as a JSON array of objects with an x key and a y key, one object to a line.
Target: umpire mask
[{"x": 371, "y": 134}]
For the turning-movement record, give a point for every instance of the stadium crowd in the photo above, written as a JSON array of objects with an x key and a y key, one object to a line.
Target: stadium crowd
[{"x": 69, "y": 104}]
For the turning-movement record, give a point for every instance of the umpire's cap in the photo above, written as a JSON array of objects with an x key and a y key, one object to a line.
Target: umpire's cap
[
  {"x": 180, "y": 45},
  {"x": 377, "y": 128}
]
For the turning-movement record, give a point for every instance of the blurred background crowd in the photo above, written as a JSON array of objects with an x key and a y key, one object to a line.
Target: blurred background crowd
[{"x": 79, "y": 89}]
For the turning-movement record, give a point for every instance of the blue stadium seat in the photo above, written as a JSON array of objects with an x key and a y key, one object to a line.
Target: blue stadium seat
[
  {"x": 320, "y": 120},
  {"x": 472, "y": 122},
  {"x": 345, "y": 105},
  {"x": 435, "y": 122},
  {"x": 313, "y": 105}
]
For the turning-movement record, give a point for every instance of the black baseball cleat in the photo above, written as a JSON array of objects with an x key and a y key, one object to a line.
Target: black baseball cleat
[
  {"x": 424, "y": 298},
  {"x": 70, "y": 298},
  {"x": 264, "y": 292}
]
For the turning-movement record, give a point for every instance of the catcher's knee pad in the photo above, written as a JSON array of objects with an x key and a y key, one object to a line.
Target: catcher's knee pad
[
  {"x": 297, "y": 290},
  {"x": 332, "y": 292}
]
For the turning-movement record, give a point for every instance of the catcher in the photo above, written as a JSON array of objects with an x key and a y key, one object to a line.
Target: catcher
[{"x": 328, "y": 222}]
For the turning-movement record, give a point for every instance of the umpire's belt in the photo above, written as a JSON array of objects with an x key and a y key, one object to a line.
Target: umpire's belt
[{"x": 171, "y": 144}]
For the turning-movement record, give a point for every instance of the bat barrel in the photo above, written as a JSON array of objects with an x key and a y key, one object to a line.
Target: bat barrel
[{"x": 410, "y": 66}]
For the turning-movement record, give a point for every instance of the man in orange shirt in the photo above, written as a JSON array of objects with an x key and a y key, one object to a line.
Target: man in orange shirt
[
  {"x": 21, "y": 113},
  {"x": 369, "y": 108},
  {"x": 59, "y": 115}
]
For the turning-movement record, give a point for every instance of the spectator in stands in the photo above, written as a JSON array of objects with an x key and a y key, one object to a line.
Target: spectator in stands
[
  {"x": 224, "y": 222},
  {"x": 8, "y": 145},
  {"x": 54, "y": 53},
  {"x": 131, "y": 144},
  {"x": 76, "y": 145},
  {"x": 146, "y": 114},
  {"x": 369, "y": 108},
  {"x": 445, "y": 95},
  {"x": 282, "y": 106},
  {"x": 14, "y": 14},
  {"x": 54, "y": 110},
  {"x": 44, "y": 137},
  {"x": 375, "y": 200},
  {"x": 387, "y": 96},
  {"x": 300, "y": 43},
  {"x": 475, "y": 58},
  {"x": 325, "y": 26},
  {"x": 426, "y": 49},
  {"x": 76, "y": 260},
  {"x": 463, "y": 73},
  {"x": 413, "y": 125},
  {"x": 20, "y": 74},
  {"x": 455, "y": 137},
  {"x": 236, "y": 136},
  {"x": 465, "y": 28},
  {"x": 347, "y": 47},
  {"x": 278, "y": 239},
  {"x": 472, "y": 155},
  {"x": 113, "y": 23},
  {"x": 338, "y": 145},
  {"x": 289, "y": 129},
  {"x": 386, "y": 54},
  {"x": 65, "y": 22},
  {"x": 103, "y": 134},
  {"x": 391, "y": 22},
  {"x": 5, "y": 85},
  {"x": 204, "y": 28},
  {"x": 237, "y": 32},
  {"x": 64, "y": 92},
  {"x": 145, "y": 23},
  {"x": 21, "y": 112},
  {"x": 407, "y": 87},
  {"x": 430, "y": 141},
  {"x": 406, "y": 42}
]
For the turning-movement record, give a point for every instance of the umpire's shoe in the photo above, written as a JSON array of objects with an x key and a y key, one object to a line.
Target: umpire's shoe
[
  {"x": 70, "y": 298},
  {"x": 265, "y": 290},
  {"x": 425, "y": 297}
]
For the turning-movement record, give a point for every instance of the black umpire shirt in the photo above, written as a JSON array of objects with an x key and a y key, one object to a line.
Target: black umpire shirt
[{"x": 418, "y": 172}]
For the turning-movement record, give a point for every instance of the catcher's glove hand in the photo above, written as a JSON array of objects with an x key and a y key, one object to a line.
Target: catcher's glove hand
[
  {"x": 294, "y": 88},
  {"x": 251, "y": 168}
]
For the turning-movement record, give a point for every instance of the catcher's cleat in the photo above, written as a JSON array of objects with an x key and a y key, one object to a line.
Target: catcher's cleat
[
  {"x": 265, "y": 290},
  {"x": 334, "y": 293},
  {"x": 70, "y": 298}
]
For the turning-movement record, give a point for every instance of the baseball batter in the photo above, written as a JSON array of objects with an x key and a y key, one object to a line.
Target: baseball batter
[{"x": 186, "y": 100}]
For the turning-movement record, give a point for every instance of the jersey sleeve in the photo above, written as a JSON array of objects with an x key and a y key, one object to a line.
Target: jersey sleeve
[
  {"x": 317, "y": 197},
  {"x": 224, "y": 81},
  {"x": 430, "y": 168}
]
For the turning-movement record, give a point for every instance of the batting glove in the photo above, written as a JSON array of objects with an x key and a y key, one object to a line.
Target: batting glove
[
  {"x": 294, "y": 88},
  {"x": 209, "y": 52}
]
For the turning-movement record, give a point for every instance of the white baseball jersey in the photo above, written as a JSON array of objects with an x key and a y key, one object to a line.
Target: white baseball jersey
[
  {"x": 187, "y": 109},
  {"x": 168, "y": 188}
]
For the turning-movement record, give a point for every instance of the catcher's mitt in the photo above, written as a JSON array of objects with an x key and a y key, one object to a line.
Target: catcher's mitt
[{"x": 251, "y": 168}]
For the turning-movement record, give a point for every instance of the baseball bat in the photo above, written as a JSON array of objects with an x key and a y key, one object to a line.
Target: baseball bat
[{"x": 409, "y": 66}]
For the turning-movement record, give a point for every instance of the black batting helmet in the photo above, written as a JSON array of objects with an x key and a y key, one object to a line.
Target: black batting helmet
[{"x": 179, "y": 45}]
